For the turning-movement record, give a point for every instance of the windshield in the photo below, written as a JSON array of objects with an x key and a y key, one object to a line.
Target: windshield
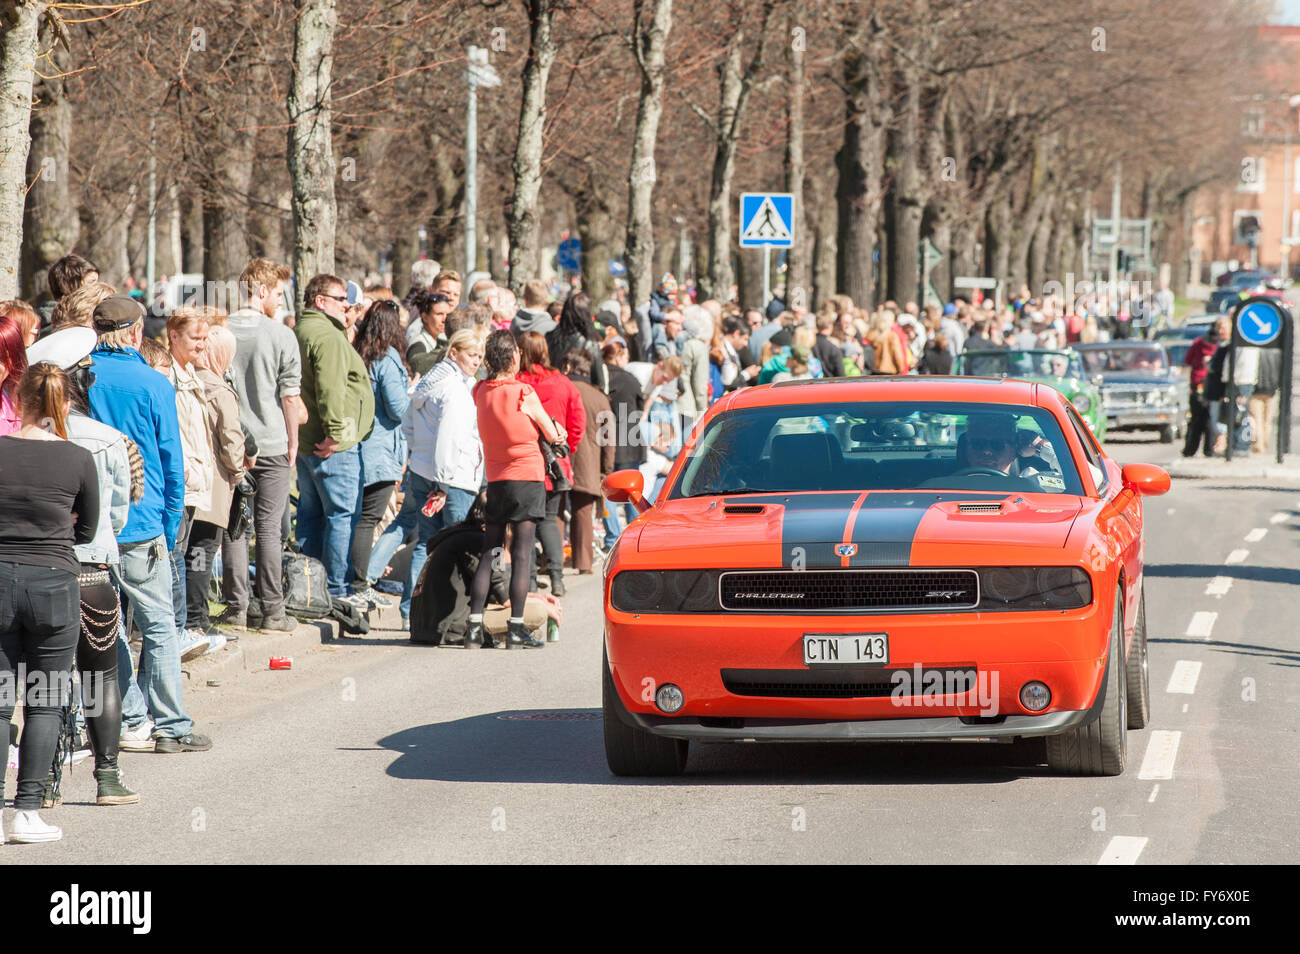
[
  {"x": 1103, "y": 360},
  {"x": 880, "y": 446},
  {"x": 1020, "y": 364}
]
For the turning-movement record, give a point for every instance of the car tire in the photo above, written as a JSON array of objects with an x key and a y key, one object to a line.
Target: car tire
[
  {"x": 1167, "y": 434},
  {"x": 1101, "y": 746},
  {"x": 630, "y": 750},
  {"x": 1137, "y": 678}
]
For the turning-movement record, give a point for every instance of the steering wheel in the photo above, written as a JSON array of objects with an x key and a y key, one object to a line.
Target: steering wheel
[{"x": 978, "y": 472}]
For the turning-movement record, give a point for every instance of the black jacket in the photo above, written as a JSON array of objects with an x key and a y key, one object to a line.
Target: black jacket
[
  {"x": 440, "y": 605},
  {"x": 626, "y": 402},
  {"x": 560, "y": 344},
  {"x": 829, "y": 354},
  {"x": 935, "y": 360}
]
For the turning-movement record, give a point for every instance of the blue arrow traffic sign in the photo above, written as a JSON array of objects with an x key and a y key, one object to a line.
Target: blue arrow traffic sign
[
  {"x": 569, "y": 255},
  {"x": 766, "y": 219},
  {"x": 1259, "y": 323}
]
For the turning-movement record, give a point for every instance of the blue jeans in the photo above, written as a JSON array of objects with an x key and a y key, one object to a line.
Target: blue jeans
[
  {"x": 145, "y": 578},
  {"x": 612, "y": 528},
  {"x": 328, "y": 492},
  {"x": 415, "y": 490}
]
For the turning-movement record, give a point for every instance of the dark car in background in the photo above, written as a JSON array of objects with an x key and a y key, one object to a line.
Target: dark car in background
[
  {"x": 1141, "y": 388},
  {"x": 1241, "y": 285}
]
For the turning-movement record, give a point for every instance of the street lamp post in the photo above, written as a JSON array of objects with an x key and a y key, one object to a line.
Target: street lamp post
[{"x": 478, "y": 73}]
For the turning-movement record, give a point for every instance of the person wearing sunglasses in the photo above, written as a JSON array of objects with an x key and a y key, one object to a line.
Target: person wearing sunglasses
[
  {"x": 340, "y": 414},
  {"x": 991, "y": 442}
]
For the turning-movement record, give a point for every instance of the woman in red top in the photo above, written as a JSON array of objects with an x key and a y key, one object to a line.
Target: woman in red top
[
  {"x": 510, "y": 418},
  {"x": 562, "y": 402}
]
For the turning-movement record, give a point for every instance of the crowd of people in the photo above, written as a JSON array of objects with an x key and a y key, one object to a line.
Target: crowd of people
[{"x": 140, "y": 451}]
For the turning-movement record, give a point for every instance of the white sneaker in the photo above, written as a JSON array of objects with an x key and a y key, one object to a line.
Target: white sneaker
[
  {"x": 193, "y": 644},
  {"x": 216, "y": 642},
  {"x": 29, "y": 829},
  {"x": 139, "y": 739}
]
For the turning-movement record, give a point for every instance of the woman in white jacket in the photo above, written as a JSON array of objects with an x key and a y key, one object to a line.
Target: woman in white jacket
[{"x": 445, "y": 470}]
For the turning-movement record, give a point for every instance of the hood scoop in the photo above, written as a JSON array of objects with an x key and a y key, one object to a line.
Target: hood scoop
[
  {"x": 995, "y": 507},
  {"x": 743, "y": 509}
]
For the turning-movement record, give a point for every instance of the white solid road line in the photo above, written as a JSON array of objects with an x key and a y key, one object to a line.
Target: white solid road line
[
  {"x": 1280, "y": 517},
  {"x": 1158, "y": 763},
  {"x": 1202, "y": 624},
  {"x": 1184, "y": 677},
  {"x": 1218, "y": 586},
  {"x": 1237, "y": 556},
  {"x": 1123, "y": 850},
  {"x": 1256, "y": 535}
]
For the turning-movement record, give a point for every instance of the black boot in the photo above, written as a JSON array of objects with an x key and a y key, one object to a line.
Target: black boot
[
  {"x": 475, "y": 634},
  {"x": 520, "y": 635},
  {"x": 557, "y": 584}
]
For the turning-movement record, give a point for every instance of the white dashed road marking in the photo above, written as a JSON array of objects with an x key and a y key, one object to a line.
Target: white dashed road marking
[
  {"x": 1237, "y": 556},
  {"x": 1158, "y": 763},
  {"x": 1280, "y": 517},
  {"x": 1154, "y": 788},
  {"x": 1122, "y": 850},
  {"x": 1202, "y": 624},
  {"x": 1256, "y": 535},
  {"x": 1218, "y": 586},
  {"x": 1184, "y": 707},
  {"x": 1184, "y": 677}
]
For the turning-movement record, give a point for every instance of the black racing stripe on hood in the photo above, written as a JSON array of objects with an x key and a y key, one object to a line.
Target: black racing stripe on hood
[
  {"x": 813, "y": 525},
  {"x": 886, "y": 524}
]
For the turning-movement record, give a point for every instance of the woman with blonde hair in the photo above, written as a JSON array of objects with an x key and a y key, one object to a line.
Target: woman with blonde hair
[
  {"x": 226, "y": 440},
  {"x": 887, "y": 348}
]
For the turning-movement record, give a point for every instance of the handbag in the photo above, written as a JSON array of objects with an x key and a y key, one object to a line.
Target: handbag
[
  {"x": 551, "y": 454},
  {"x": 241, "y": 507}
]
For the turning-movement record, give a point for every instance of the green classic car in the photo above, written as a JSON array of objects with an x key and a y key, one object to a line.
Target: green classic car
[{"x": 1062, "y": 370}]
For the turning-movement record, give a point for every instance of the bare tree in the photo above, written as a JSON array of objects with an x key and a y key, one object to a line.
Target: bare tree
[
  {"x": 19, "y": 31},
  {"x": 527, "y": 167},
  {"x": 652, "y": 20},
  {"x": 311, "y": 151}
]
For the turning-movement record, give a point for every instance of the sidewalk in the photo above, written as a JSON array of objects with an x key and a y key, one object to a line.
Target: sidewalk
[{"x": 1249, "y": 467}]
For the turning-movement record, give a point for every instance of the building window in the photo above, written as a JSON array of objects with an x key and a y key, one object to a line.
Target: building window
[
  {"x": 1251, "y": 177},
  {"x": 1295, "y": 224}
]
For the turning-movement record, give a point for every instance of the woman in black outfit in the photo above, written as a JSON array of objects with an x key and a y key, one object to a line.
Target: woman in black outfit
[
  {"x": 51, "y": 502},
  {"x": 575, "y": 329}
]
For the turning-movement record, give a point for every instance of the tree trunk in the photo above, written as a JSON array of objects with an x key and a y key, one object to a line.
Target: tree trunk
[
  {"x": 266, "y": 216},
  {"x": 311, "y": 151},
  {"x": 719, "y": 276},
  {"x": 652, "y": 21},
  {"x": 823, "y": 244},
  {"x": 596, "y": 228},
  {"x": 191, "y": 234},
  {"x": 938, "y": 228},
  {"x": 168, "y": 257},
  {"x": 50, "y": 223},
  {"x": 749, "y": 278},
  {"x": 797, "y": 275},
  {"x": 1039, "y": 246},
  {"x": 405, "y": 248},
  {"x": 446, "y": 222},
  {"x": 527, "y": 167},
  {"x": 858, "y": 192},
  {"x": 906, "y": 193},
  {"x": 19, "y": 32},
  {"x": 997, "y": 242}
]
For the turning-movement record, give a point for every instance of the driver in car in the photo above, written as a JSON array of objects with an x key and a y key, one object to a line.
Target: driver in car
[
  {"x": 993, "y": 443},
  {"x": 1060, "y": 365}
]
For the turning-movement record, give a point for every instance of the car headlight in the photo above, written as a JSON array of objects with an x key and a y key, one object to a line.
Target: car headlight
[
  {"x": 1026, "y": 588},
  {"x": 665, "y": 591},
  {"x": 1082, "y": 403}
]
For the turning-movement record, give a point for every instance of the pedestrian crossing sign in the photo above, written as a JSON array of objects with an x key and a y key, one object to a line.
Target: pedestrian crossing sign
[{"x": 766, "y": 219}]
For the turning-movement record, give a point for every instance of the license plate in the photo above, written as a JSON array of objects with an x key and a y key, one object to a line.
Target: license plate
[{"x": 833, "y": 649}]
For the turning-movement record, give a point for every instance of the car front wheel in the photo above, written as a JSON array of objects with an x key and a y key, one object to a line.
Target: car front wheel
[
  {"x": 1137, "y": 678},
  {"x": 1100, "y": 747},
  {"x": 630, "y": 750}
]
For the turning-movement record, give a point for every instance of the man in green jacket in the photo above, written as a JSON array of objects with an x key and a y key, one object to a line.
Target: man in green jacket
[{"x": 340, "y": 414}]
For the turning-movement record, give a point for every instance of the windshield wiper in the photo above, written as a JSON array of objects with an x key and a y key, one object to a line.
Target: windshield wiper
[{"x": 733, "y": 492}]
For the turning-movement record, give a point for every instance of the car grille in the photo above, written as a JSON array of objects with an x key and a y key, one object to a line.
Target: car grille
[
  {"x": 811, "y": 684},
  {"x": 849, "y": 590}
]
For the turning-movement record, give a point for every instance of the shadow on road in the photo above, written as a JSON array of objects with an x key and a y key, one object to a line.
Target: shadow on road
[
  {"x": 1239, "y": 571},
  {"x": 566, "y": 747},
  {"x": 1290, "y": 657}
]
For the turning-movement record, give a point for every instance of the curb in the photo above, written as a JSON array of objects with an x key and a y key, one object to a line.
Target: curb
[
  {"x": 252, "y": 651},
  {"x": 1219, "y": 469}
]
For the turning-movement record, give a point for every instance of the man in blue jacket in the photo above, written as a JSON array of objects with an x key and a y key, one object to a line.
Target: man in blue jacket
[{"x": 138, "y": 401}]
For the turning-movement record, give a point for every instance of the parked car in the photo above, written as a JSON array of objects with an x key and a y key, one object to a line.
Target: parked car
[
  {"x": 1140, "y": 388},
  {"x": 1191, "y": 328},
  {"x": 881, "y": 559},
  {"x": 1061, "y": 369},
  {"x": 1242, "y": 285}
]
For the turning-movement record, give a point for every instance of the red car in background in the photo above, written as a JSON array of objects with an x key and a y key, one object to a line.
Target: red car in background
[{"x": 889, "y": 558}]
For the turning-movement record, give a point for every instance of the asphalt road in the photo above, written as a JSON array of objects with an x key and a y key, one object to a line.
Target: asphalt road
[{"x": 373, "y": 750}]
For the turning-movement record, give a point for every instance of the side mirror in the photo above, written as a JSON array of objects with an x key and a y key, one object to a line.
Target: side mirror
[
  {"x": 1146, "y": 480},
  {"x": 628, "y": 486}
]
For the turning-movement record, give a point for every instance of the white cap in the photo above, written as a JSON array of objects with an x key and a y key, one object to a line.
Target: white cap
[{"x": 64, "y": 348}]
